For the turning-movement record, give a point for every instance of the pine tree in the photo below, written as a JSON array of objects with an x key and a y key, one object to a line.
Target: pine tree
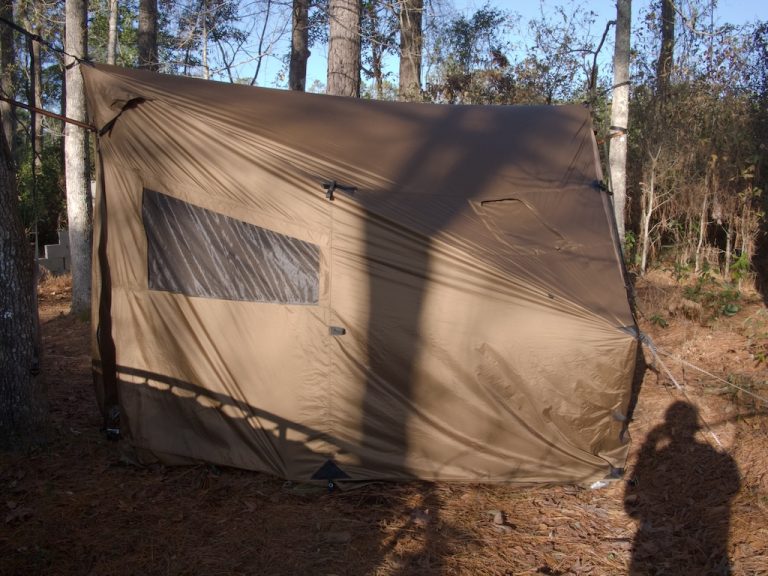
[
  {"x": 344, "y": 48},
  {"x": 22, "y": 407}
]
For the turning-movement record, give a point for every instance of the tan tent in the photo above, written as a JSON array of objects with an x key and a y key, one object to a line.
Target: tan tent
[{"x": 323, "y": 287}]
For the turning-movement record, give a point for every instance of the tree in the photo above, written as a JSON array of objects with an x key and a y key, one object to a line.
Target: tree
[
  {"x": 469, "y": 60},
  {"x": 344, "y": 48},
  {"x": 112, "y": 36},
  {"x": 696, "y": 145},
  {"x": 113, "y": 33},
  {"x": 148, "y": 34},
  {"x": 379, "y": 29},
  {"x": 7, "y": 64},
  {"x": 216, "y": 39},
  {"x": 22, "y": 406},
  {"x": 410, "y": 48},
  {"x": 666, "y": 53},
  {"x": 32, "y": 18},
  {"x": 620, "y": 113},
  {"x": 557, "y": 68},
  {"x": 79, "y": 210},
  {"x": 297, "y": 72}
]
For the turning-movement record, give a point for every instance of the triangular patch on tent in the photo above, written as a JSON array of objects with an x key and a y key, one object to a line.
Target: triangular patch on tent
[{"x": 329, "y": 471}]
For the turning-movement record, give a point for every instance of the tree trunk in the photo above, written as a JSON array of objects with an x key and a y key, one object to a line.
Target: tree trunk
[
  {"x": 7, "y": 65},
  {"x": 297, "y": 72},
  {"x": 32, "y": 22},
  {"x": 377, "y": 49},
  {"x": 79, "y": 211},
  {"x": 666, "y": 52},
  {"x": 260, "y": 52},
  {"x": 410, "y": 48},
  {"x": 702, "y": 226},
  {"x": 22, "y": 395},
  {"x": 37, "y": 98},
  {"x": 344, "y": 48},
  {"x": 148, "y": 34},
  {"x": 204, "y": 42},
  {"x": 112, "y": 38},
  {"x": 648, "y": 206},
  {"x": 620, "y": 113},
  {"x": 377, "y": 66}
]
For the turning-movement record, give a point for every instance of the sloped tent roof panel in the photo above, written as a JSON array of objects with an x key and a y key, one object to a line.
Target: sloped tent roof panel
[{"x": 454, "y": 309}]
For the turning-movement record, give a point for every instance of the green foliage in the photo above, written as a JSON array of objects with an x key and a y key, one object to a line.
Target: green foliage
[
  {"x": 681, "y": 271},
  {"x": 42, "y": 198},
  {"x": 318, "y": 22},
  {"x": 658, "y": 320},
  {"x": 388, "y": 91},
  {"x": 630, "y": 245},
  {"x": 474, "y": 60},
  {"x": 127, "y": 33},
  {"x": 379, "y": 38},
  {"x": 716, "y": 297},
  {"x": 470, "y": 41},
  {"x": 740, "y": 268},
  {"x": 701, "y": 143},
  {"x": 470, "y": 61},
  {"x": 744, "y": 386}
]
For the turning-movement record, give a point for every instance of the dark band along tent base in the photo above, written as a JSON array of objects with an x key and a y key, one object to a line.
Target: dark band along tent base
[{"x": 315, "y": 286}]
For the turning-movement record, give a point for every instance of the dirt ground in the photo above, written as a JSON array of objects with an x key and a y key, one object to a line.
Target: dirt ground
[{"x": 694, "y": 499}]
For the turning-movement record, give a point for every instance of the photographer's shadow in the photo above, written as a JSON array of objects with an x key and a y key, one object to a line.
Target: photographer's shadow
[{"x": 681, "y": 492}]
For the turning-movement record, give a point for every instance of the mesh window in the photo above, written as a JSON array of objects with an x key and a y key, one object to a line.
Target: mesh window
[{"x": 197, "y": 252}]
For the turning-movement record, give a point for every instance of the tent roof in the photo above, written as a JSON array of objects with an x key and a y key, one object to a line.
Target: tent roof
[{"x": 453, "y": 173}]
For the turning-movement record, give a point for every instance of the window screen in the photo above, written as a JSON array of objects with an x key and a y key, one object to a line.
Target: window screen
[{"x": 198, "y": 252}]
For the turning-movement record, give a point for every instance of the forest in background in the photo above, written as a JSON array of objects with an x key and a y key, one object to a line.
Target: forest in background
[
  {"x": 695, "y": 232},
  {"x": 697, "y": 109}
]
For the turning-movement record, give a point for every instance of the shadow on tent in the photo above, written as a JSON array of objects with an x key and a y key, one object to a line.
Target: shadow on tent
[
  {"x": 397, "y": 369},
  {"x": 421, "y": 514},
  {"x": 174, "y": 406}
]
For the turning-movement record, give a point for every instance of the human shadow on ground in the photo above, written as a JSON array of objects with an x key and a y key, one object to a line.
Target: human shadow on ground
[{"x": 681, "y": 492}]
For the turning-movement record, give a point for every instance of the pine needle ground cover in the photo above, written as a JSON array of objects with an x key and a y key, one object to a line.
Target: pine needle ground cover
[{"x": 81, "y": 505}]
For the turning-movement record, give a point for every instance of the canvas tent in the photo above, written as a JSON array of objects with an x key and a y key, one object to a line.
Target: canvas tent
[{"x": 318, "y": 286}]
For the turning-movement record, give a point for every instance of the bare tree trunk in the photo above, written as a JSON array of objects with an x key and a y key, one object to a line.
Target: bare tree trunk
[
  {"x": 746, "y": 232},
  {"x": 683, "y": 238},
  {"x": 378, "y": 76},
  {"x": 410, "y": 48},
  {"x": 112, "y": 38},
  {"x": 620, "y": 113},
  {"x": 204, "y": 42},
  {"x": 728, "y": 251},
  {"x": 37, "y": 98},
  {"x": 745, "y": 237},
  {"x": 344, "y": 48},
  {"x": 148, "y": 34},
  {"x": 702, "y": 225},
  {"x": 79, "y": 211},
  {"x": 7, "y": 65},
  {"x": 31, "y": 20},
  {"x": 22, "y": 394},
  {"x": 648, "y": 200},
  {"x": 260, "y": 54},
  {"x": 666, "y": 53},
  {"x": 297, "y": 72}
]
